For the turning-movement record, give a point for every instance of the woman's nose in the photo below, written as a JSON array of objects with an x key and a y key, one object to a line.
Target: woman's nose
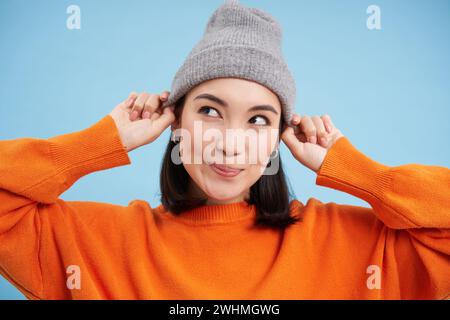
[
  {"x": 231, "y": 147},
  {"x": 232, "y": 153}
]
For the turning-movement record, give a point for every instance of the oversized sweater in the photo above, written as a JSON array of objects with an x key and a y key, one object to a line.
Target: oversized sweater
[{"x": 399, "y": 248}]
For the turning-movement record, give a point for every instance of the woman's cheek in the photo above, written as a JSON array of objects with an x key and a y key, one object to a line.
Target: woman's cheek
[
  {"x": 192, "y": 146},
  {"x": 261, "y": 150},
  {"x": 208, "y": 143},
  {"x": 253, "y": 173}
]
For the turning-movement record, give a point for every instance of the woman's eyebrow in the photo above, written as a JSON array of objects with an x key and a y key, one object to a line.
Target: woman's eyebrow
[
  {"x": 263, "y": 107},
  {"x": 212, "y": 98},
  {"x": 223, "y": 103}
]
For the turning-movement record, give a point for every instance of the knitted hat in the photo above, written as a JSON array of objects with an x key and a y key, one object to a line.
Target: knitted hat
[{"x": 238, "y": 42}]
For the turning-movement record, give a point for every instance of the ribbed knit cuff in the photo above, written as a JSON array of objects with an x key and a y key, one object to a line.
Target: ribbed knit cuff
[
  {"x": 95, "y": 148},
  {"x": 347, "y": 169}
]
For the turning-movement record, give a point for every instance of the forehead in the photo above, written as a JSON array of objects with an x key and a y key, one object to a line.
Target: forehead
[{"x": 237, "y": 91}]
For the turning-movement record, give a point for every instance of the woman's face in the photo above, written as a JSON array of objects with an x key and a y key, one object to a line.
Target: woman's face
[{"x": 227, "y": 122}]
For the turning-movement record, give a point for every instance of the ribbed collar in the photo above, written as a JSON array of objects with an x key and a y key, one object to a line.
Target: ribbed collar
[{"x": 218, "y": 213}]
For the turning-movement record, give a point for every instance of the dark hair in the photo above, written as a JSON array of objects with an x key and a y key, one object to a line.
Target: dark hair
[{"x": 270, "y": 193}]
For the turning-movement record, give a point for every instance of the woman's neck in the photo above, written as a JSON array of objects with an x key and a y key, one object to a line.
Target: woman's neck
[{"x": 195, "y": 191}]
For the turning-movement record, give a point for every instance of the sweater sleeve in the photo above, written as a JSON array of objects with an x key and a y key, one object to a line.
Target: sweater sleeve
[
  {"x": 33, "y": 174},
  {"x": 412, "y": 202}
]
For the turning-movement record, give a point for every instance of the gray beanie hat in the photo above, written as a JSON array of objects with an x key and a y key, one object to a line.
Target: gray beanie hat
[{"x": 238, "y": 42}]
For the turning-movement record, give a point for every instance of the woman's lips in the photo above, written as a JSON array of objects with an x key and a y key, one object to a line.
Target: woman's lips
[{"x": 225, "y": 171}]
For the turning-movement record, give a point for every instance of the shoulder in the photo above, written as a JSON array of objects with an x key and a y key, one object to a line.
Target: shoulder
[
  {"x": 333, "y": 226},
  {"x": 99, "y": 213},
  {"x": 315, "y": 211}
]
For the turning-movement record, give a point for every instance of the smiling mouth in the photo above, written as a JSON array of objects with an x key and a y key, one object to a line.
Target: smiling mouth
[{"x": 224, "y": 170}]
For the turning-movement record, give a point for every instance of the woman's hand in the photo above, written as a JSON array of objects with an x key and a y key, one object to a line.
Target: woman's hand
[
  {"x": 311, "y": 139},
  {"x": 140, "y": 120}
]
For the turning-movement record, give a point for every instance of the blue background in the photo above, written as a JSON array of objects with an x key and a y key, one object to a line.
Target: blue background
[{"x": 387, "y": 90}]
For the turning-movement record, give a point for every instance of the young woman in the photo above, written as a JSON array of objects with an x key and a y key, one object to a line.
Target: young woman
[{"x": 224, "y": 229}]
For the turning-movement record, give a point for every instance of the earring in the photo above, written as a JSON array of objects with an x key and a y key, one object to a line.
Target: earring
[
  {"x": 273, "y": 162},
  {"x": 176, "y": 153},
  {"x": 272, "y": 155},
  {"x": 175, "y": 139}
]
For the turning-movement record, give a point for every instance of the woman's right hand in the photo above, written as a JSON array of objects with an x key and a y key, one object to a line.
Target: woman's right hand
[{"x": 140, "y": 120}]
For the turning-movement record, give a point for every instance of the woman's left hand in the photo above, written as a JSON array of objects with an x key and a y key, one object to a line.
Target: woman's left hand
[{"x": 311, "y": 139}]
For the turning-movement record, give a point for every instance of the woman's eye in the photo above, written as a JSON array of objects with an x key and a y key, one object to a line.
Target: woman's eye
[
  {"x": 210, "y": 111},
  {"x": 263, "y": 121}
]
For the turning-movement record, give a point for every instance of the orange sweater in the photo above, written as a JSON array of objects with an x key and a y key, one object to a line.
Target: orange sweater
[{"x": 55, "y": 249}]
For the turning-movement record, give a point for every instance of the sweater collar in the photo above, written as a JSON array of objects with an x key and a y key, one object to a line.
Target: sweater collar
[{"x": 218, "y": 213}]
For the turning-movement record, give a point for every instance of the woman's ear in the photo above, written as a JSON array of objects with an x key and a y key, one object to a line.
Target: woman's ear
[
  {"x": 174, "y": 126},
  {"x": 173, "y": 129},
  {"x": 178, "y": 110}
]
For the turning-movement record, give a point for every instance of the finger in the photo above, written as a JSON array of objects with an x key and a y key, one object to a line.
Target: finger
[
  {"x": 321, "y": 131},
  {"x": 151, "y": 105},
  {"x": 295, "y": 119},
  {"x": 138, "y": 106},
  {"x": 164, "y": 120},
  {"x": 126, "y": 104},
  {"x": 133, "y": 95},
  {"x": 328, "y": 123},
  {"x": 164, "y": 95},
  {"x": 309, "y": 129},
  {"x": 155, "y": 116},
  {"x": 292, "y": 142}
]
